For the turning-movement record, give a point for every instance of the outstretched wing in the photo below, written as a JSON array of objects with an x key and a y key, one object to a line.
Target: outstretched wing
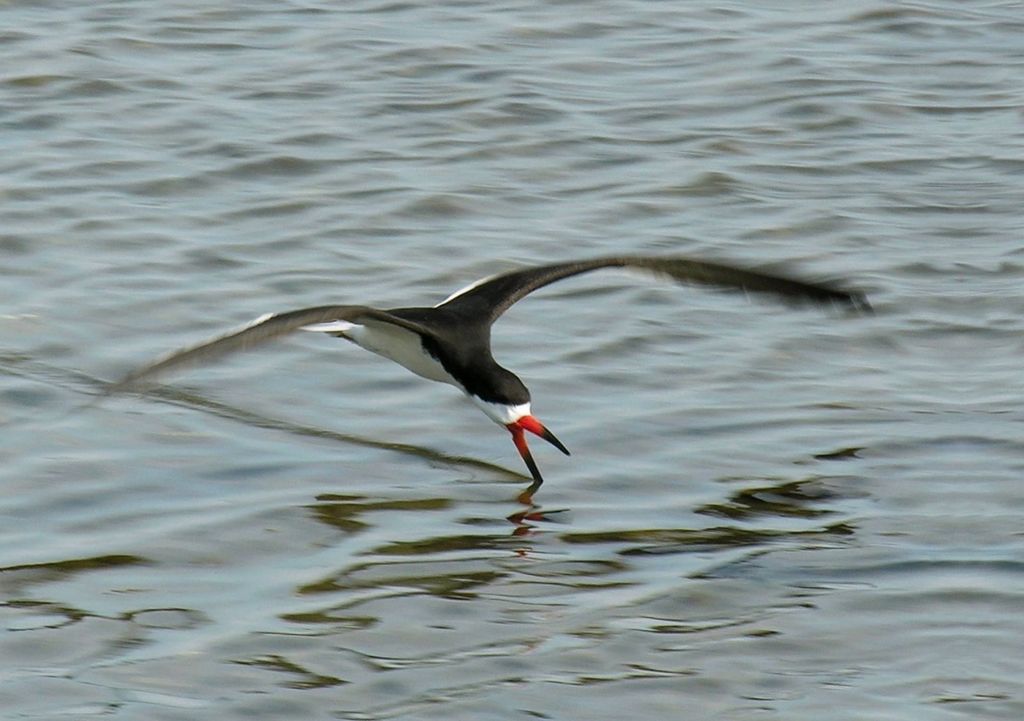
[
  {"x": 260, "y": 331},
  {"x": 492, "y": 296}
]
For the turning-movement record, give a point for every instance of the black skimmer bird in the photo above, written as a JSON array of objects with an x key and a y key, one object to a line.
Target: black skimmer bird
[{"x": 451, "y": 341}]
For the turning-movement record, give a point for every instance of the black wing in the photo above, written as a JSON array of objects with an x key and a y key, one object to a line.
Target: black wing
[
  {"x": 256, "y": 333},
  {"x": 492, "y": 296}
]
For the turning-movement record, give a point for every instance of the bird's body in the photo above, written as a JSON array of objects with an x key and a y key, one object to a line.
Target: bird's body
[
  {"x": 404, "y": 347},
  {"x": 451, "y": 342}
]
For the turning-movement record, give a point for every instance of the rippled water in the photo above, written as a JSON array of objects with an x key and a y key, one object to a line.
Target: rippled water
[{"x": 769, "y": 513}]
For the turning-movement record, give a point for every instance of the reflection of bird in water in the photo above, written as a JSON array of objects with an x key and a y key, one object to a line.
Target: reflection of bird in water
[{"x": 451, "y": 342}]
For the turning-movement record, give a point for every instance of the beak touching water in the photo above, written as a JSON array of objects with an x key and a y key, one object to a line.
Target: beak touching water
[{"x": 518, "y": 430}]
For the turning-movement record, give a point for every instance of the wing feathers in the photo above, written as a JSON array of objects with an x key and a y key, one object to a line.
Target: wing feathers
[
  {"x": 485, "y": 301},
  {"x": 493, "y": 296},
  {"x": 260, "y": 331}
]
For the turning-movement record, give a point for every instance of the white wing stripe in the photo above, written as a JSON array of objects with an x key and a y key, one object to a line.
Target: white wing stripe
[
  {"x": 334, "y": 326},
  {"x": 468, "y": 288}
]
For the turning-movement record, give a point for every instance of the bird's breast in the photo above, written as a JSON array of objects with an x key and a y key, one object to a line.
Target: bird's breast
[{"x": 402, "y": 346}]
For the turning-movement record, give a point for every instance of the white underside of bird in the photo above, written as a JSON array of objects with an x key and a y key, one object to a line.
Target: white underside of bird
[
  {"x": 389, "y": 341},
  {"x": 406, "y": 348}
]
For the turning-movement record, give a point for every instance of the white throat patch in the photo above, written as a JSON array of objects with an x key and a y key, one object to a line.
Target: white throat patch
[{"x": 502, "y": 413}]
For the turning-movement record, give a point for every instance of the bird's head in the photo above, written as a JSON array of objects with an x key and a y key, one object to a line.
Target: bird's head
[{"x": 519, "y": 421}]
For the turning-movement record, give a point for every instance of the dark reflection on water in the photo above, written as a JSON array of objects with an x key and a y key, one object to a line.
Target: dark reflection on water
[
  {"x": 686, "y": 540},
  {"x": 343, "y": 512},
  {"x": 255, "y": 420},
  {"x": 27, "y": 367},
  {"x": 526, "y": 522},
  {"x": 28, "y": 574},
  {"x": 303, "y": 678},
  {"x": 789, "y": 498}
]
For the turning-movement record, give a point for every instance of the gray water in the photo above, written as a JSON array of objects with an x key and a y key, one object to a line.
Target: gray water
[{"x": 770, "y": 513}]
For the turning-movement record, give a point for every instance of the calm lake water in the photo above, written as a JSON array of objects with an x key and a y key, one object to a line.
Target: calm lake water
[{"x": 770, "y": 513}]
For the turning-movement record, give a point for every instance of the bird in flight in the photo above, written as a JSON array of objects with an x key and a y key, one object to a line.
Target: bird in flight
[{"x": 451, "y": 341}]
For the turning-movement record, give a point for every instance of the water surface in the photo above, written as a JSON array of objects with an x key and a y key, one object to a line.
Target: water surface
[{"x": 769, "y": 512}]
